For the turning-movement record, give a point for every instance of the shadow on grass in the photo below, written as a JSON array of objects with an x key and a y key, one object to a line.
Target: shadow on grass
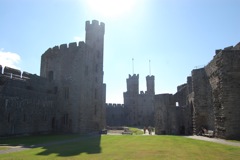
[{"x": 85, "y": 144}]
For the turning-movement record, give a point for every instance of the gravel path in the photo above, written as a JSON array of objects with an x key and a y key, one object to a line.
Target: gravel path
[{"x": 216, "y": 140}]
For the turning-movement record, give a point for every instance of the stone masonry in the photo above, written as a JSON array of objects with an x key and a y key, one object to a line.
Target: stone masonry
[
  {"x": 209, "y": 99},
  {"x": 68, "y": 96}
]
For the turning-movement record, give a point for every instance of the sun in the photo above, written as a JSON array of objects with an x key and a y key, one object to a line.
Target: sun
[{"x": 111, "y": 8}]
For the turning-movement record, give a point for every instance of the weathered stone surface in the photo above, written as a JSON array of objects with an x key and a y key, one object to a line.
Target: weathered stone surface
[
  {"x": 138, "y": 108},
  {"x": 69, "y": 95},
  {"x": 210, "y": 99}
]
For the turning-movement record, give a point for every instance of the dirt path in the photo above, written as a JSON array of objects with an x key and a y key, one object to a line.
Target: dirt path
[{"x": 216, "y": 140}]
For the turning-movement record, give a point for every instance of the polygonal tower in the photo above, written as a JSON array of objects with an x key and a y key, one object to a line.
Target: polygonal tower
[
  {"x": 76, "y": 71},
  {"x": 95, "y": 45},
  {"x": 150, "y": 84}
]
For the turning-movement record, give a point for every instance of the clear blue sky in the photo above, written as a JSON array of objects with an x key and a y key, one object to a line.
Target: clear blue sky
[{"x": 176, "y": 35}]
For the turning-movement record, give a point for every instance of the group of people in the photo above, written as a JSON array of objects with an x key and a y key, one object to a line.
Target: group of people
[{"x": 150, "y": 130}]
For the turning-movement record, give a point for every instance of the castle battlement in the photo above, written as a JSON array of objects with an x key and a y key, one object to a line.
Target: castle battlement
[
  {"x": 13, "y": 73},
  {"x": 95, "y": 26},
  {"x": 64, "y": 47},
  {"x": 114, "y": 105},
  {"x": 133, "y": 76},
  {"x": 149, "y": 77}
]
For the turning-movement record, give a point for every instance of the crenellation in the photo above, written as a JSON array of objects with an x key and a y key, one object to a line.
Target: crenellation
[
  {"x": 12, "y": 72},
  {"x": 72, "y": 45},
  {"x": 55, "y": 49},
  {"x": 26, "y": 75},
  {"x": 63, "y": 47},
  {"x": 81, "y": 44},
  {"x": 114, "y": 105},
  {"x": 95, "y": 26}
]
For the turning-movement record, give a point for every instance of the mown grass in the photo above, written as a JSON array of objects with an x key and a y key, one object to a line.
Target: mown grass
[
  {"x": 136, "y": 131},
  {"x": 131, "y": 147},
  {"x": 3, "y": 148},
  {"x": 37, "y": 139}
]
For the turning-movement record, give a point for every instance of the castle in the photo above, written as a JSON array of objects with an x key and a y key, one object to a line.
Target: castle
[
  {"x": 209, "y": 99},
  {"x": 68, "y": 96},
  {"x": 138, "y": 109}
]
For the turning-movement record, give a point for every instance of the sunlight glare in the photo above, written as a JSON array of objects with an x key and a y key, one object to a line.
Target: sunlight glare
[{"x": 111, "y": 8}]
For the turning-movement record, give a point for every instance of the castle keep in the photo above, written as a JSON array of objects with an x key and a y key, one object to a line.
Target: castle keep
[{"x": 68, "y": 96}]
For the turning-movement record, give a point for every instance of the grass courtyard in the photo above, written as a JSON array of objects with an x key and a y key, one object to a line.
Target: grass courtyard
[{"x": 118, "y": 147}]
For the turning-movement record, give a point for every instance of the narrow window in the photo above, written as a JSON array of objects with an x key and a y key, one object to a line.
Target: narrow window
[{"x": 177, "y": 104}]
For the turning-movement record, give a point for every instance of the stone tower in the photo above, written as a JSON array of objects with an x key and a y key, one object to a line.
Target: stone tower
[
  {"x": 95, "y": 45},
  {"x": 131, "y": 99},
  {"x": 150, "y": 84},
  {"x": 76, "y": 70}
]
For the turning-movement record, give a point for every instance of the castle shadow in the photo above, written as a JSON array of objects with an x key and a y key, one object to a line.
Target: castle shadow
[{"x": 84, "y": 144}]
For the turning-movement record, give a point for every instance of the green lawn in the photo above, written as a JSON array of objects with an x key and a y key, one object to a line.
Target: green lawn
[
  {"x": 124, "y": 147},
  {"x": 3, "y": 148}
]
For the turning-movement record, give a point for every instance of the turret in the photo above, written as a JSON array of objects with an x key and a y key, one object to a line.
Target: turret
[
  {"x": 133, "y": 84},
  {"x": 150, "y": 84},
  {"x": 94, "y": 34}
]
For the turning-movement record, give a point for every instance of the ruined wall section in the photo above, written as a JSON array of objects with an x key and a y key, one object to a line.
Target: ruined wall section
[
  {"x": 202, "y": 101},
  {"x": 226, "y": 92},
  {"x": 183, "y": 110},
  {"x": 229, "y": 69},
  {"x": 27, "y": 103},
  {"x": 115, "y": 114},
  {"x": 165, "y": 114}
]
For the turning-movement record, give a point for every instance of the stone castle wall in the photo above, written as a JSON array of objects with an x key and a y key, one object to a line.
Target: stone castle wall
[
  {"x": 209, "y": 99},
  {"x": 224, "y": 80},
  {"x": 139, "y": 107},
  {"x": 27, "y": 103},
  {"x": 115, "y": 114},
  {"x": 172, "y": 113},
  {"x": 77, "y": 71},
  {"x": 69, "y": 95}
]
